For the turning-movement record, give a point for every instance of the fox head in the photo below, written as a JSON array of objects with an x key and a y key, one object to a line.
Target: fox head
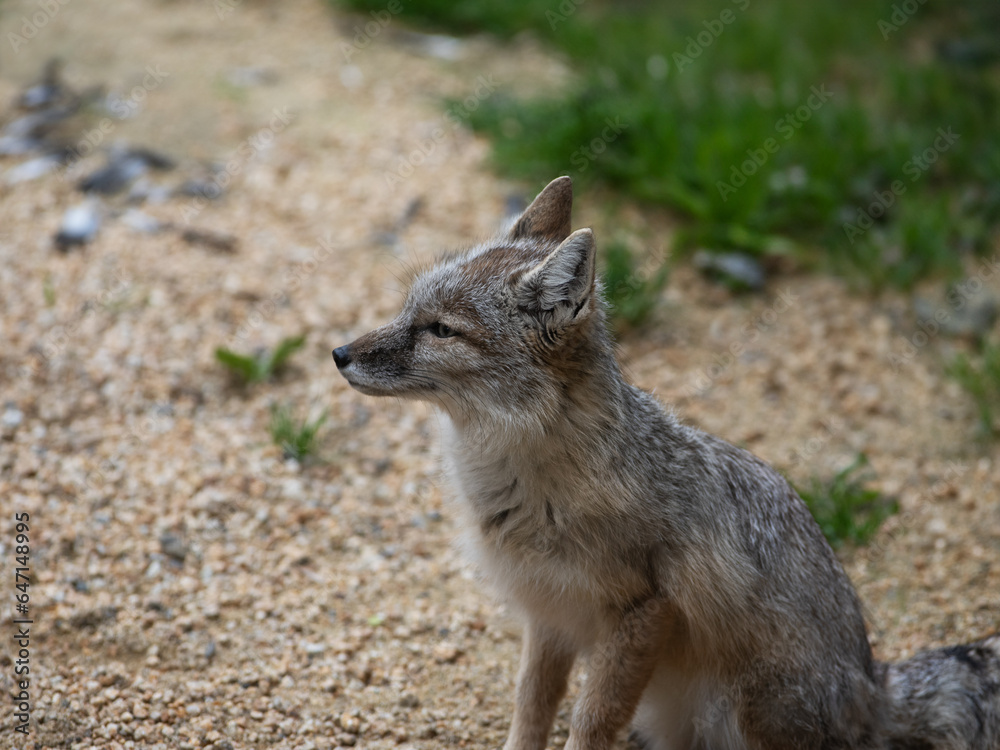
[{"x": 501, "y": 333}]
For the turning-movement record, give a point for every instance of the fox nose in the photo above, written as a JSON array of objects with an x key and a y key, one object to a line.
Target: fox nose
[{"x": 342, "y": 356}]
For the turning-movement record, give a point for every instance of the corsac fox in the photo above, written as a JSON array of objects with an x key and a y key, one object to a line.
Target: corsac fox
[{"x": 710, "y": 609}]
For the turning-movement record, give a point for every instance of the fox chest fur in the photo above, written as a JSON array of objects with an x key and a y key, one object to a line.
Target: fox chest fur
[{"x": 536, "y": 524}]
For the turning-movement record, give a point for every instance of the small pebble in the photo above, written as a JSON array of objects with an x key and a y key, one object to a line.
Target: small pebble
[
  {"x": 218, "y": 241},
  {"x": 12, "y": 417},
  {"x": 32, "y": 169},
  {"x": 737, "y": 270},
  {"x": 79, "y": 225},
  {"x": 173, "y": 546},
  {"x": 142, "y": 222}
]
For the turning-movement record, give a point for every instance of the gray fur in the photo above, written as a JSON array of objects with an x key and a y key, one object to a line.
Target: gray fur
[{"x": 711, "y": 610}]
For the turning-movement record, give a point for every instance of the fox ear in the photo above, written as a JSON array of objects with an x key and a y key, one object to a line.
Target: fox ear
[
  {"x": 548, "y": 216},
  {"x": 560, "y": 286}
]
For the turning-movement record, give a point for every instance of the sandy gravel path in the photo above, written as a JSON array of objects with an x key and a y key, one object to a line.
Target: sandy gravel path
[{"x": 191, "y": 588}]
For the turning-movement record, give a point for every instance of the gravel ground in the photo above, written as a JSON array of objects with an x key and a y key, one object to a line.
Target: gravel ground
[{"x": 191, "y": 587}]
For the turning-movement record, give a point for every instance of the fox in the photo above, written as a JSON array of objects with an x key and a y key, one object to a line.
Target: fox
[{"x": 709, "y": 608}]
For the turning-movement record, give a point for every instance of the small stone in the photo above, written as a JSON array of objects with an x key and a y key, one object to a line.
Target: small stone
[
  {"x": 31, "y": 170},
  {"x": 440, "y": 46},
  {"x": 446, "y": 653},
  {"x": 220, "y": 242},
  {"x": 970, "y": 317},
  {"x": 201, "y": 187},
  {"x": 736, "y": 270},
  {"x": 114, "y": 177},
  {"x": 349, "y": 723},
  {"x": 937, "y": 527},
  {"x": 124, "y": 165},
  {"x": 12, "y": 418},
  {"x": 409, "y": 700},
  {"x": 173, "y": 546},
  {"x": 293, "y": 489},
  {"x": 79, "y": 225},
  {"x": 251, "y": 75},
  {"x": 141, "y": 222}
]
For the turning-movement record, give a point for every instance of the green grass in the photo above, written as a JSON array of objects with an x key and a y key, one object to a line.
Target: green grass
[
  {"x": 981, "y": 379},
  {"x": 259, "y": 367},
  {"x": 632, "y": 291},
  {"x": 845, "y": 510},
  {"x": 687, "y": 115},
  {"x": 49, "y": 291},
  {"x": 502, "y": 19},
  {"x": 297, "y": 439}
]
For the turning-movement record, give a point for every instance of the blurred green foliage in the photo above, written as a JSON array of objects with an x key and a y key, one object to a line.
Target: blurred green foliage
[
  {"x": 631, "y": 291},
  {"x": 257, "y": 368},
  {"x": 980, "y": 377},
  {"x": 844, "y": 508},
  {"x": 297, "y": 439},
  {"x": 859, "y": 135}
]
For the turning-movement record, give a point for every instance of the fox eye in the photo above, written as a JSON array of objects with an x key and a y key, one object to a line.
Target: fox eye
[{"x": 441, "y": 330}]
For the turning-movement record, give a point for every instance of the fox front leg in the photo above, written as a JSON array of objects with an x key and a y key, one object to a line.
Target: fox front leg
[
  {"x": 546, "y": 660},
  {"x": 618, "y": 672}
]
